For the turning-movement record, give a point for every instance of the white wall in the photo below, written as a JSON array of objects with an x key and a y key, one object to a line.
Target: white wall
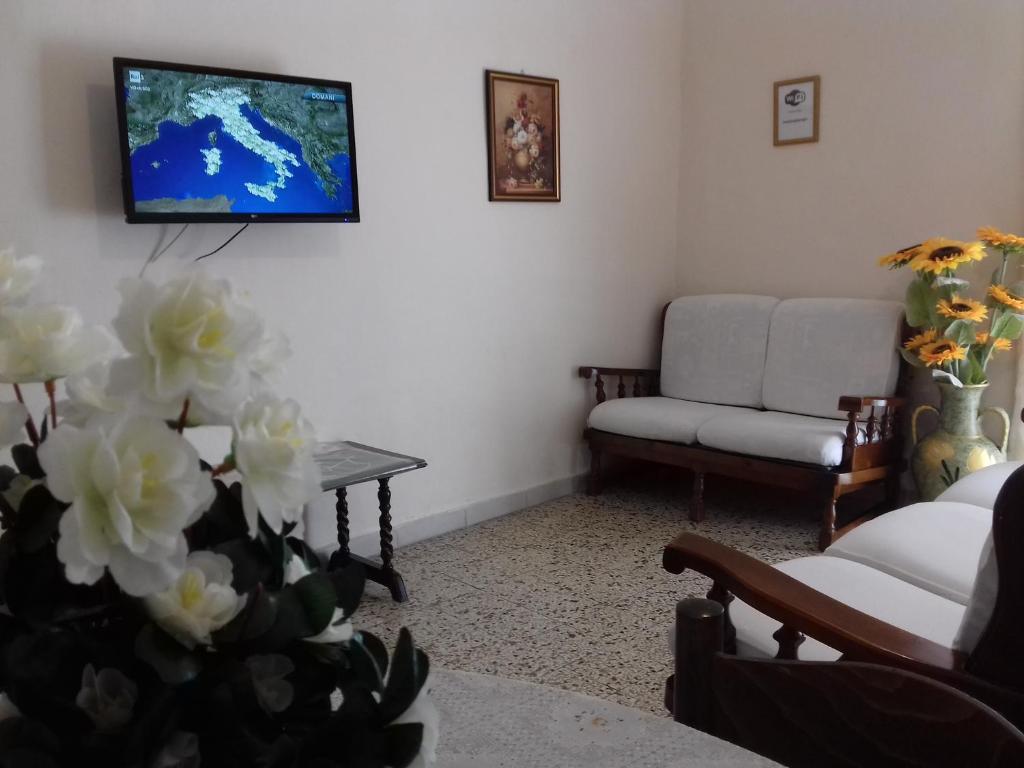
[
  {"x": 922, "y": 134},
  {"x": 442, "y": 325}
]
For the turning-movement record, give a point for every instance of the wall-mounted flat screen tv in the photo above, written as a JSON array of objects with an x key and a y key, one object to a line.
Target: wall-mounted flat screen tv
[{"x": 204, "y": 144}]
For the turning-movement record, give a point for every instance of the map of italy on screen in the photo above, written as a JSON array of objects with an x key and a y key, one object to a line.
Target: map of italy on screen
[{"x": 204, "y": 143}]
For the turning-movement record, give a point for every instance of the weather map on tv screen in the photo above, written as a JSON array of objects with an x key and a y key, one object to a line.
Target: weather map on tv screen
[{"x": 206, "y": 143}]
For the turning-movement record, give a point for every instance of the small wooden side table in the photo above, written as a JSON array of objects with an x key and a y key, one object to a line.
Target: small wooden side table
[{"x": 345, "y": 463}]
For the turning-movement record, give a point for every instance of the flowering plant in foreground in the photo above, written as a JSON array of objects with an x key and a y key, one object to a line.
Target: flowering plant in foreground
[
  {"x": 155, "y": 610},
  {"x": 952, "y": 339}
]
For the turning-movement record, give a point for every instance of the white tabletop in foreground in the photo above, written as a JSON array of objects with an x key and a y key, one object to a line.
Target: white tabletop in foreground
[{"x": 493, "y": 722}]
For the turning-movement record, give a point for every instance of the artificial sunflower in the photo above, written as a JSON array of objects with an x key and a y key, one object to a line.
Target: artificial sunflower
[
  {"x": 995, "y": 238},
  {"x": 941, "y": 352},
  {"x": 963, "y": 309},
  {"x": 1000, "y": 345},
  {"x": 940, "y": 254},
  {"x": 918, "y": 341},
  {"x": 899, "y": 259},
  {"x": 1005, "y": 297}
]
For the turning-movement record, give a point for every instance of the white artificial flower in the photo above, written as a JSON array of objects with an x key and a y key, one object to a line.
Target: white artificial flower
[
  {"x": 12, "y": 421},
  {"x": 42, "y": 342},
  {"x": 268, "y": 360},
  {"x": 423, "y": 710},
  {"x": 339, "y": 630},
  {"x": 273, "y": 449},
  {"x": 190, "y": 338},
  {"x": 108, "y": 697},
  {"x": 89, "y": 394},
  {"x": 273, "y": 692},
  {"x": 180, "y": 751},
  {"x": 17, "y": 276},
  {"x": 134, "y": 485},
  {"x": 200, "y": 602}
]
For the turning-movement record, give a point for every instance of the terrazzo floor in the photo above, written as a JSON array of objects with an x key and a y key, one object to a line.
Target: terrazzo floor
[{"x": 571, "y": 593}]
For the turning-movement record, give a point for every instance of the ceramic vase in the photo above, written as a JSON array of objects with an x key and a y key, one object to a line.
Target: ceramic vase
[{"x": 958, "y": 446}]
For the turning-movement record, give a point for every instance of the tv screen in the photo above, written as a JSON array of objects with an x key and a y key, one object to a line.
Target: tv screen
[{"x": 203, "y": 144}]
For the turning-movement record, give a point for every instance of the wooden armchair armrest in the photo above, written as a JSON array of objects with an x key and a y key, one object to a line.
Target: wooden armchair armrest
[
  {"x": 873, "y": 442},
  {"x": 860, "y": 402},
  {"x": 645, "y": 380},
  {"x": 800, "y": 608}
]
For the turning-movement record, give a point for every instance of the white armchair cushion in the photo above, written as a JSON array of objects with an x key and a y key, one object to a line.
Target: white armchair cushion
[
  {"x": 777, "y": 435},
  {"x": 875, "y": 593},
  {"x": 982, "y": 602},
  {"x": 981, "y": 488},
  {"x": 935, "y": 545},
  {"x": 821, "y": 349},
  {"x": 655, "y": 418},
  {"x": 713, "y": 348}
]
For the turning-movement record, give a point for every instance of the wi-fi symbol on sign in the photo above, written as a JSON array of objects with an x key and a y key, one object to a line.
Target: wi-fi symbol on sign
[{"x": 796, "y": 96}]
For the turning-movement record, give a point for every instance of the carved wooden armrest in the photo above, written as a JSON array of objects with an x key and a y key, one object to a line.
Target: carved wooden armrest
[
  {"x": 645, "y": 380},
  {"x": 865, "y": 437},
  {"x": 803, "y": 610}
]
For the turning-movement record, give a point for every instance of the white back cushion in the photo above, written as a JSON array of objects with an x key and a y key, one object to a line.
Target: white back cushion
[
  {"x": 821, "y": 349},
  {"x": 981, "y": 487},
  {"x": 714, "y": 348}
]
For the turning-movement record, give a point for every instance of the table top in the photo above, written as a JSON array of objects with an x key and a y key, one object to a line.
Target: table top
[
  {"x": 494, "y": 722},
  {"x": 343, "y": 463}
]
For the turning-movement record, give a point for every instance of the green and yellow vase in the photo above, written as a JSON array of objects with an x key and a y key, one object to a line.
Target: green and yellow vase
[{"x": 958, "y": 446}]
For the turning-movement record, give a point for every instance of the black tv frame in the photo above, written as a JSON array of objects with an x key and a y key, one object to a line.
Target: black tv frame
[{"x": 134, "y": 217}]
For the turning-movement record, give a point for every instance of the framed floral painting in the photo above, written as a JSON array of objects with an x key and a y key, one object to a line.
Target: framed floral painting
[{"x": 522, "y": 137}]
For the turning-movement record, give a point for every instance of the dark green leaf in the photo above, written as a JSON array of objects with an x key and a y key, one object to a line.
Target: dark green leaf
[
  {"x": 403, "y": 743},
  {"x": 38, "y": 518},
  {"x": 911, "y": 357},
  {"x": 6, "y": 475},
  {"x": 349, "y": 582},
  {"x": 250, "y": 562},
  {"x": 404, "y": 681},
  {"x": 26, "y": 461},
  {"x": 316, "y": 592},
  {"x": 255, "y": 619},
  {"x": 174, "y": 663}
]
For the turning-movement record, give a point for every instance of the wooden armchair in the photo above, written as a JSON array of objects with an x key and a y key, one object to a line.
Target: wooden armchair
[
  {"x": 993, "y": 672},
  {"x": 839, "y": 715}
]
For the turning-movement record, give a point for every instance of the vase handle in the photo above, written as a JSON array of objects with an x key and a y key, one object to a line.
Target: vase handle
[
  {"x": 913, "y": 419},
  {"x": 1006, "y": 424}
]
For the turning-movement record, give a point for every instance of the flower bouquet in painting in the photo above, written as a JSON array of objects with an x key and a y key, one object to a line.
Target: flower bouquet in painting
[
  {"x": 157, "y": 610},
  {"x": 956, "y": 338},
  {"x": 527, "y": 147}
]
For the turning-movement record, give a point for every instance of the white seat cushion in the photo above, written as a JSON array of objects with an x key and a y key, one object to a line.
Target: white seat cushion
[
  {"x": 777, "y": 435},
  {"x": 713, "y": 348},
  {"x": 822, "y": 349},
  {"x": 981, "y": 487},
  {"x": 655, "y": 418},
  {"x": 934, "y": 545},
  {"x": 878, "y": 594}
]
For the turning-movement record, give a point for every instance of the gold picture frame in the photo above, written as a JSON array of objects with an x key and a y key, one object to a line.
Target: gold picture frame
[
  {"x": 796, "y": 121},
  {"x": 523, "y": 135}
]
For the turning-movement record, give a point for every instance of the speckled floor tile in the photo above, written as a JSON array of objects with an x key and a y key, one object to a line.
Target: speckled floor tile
[{"x": 571, "y": 593}]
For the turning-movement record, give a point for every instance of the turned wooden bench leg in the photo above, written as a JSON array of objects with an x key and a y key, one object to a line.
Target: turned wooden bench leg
[
  {"x": 697, "y": 498},
  {"x": 827, "y": 533}
]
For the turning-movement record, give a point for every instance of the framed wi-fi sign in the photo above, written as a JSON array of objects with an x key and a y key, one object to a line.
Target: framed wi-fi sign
[{"x": 797, "y": 110}]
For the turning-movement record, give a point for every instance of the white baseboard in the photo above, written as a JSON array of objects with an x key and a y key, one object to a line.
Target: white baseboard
[{"x": 439, "y": 523}]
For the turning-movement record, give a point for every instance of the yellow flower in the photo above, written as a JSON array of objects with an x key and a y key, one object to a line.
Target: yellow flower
[
  {"x": 941, "y": 352},
  {"x": 1006, "y": 298},
  {"x": 997, "y": 344},
  {"x": 939, "y": 254},
  {"x": 921, "y": 339},
  {"x": 899, "y": 259},
  {"x": 963, "y": 309},
  {"x": 995, "y": 238}
]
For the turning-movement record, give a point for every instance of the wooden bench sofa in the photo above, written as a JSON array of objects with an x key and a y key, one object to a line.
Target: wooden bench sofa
[
  {"x": 934, "y": 589},
  {"x": 756, "y": 388}
]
